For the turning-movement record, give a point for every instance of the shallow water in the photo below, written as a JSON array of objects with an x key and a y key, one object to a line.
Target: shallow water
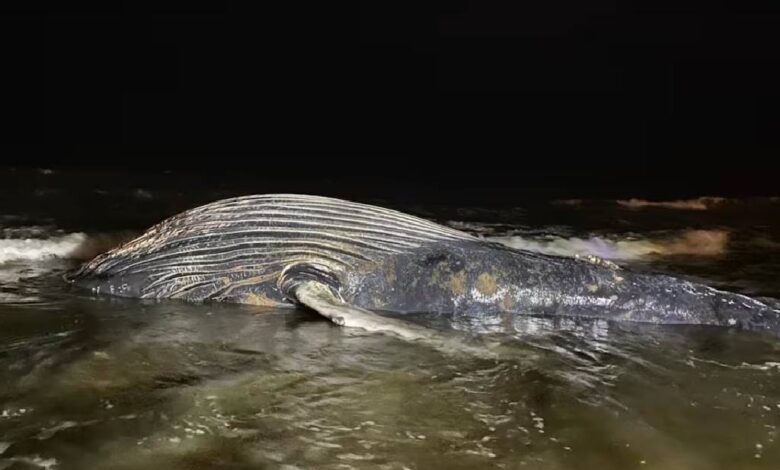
[{"x": 97, "y": 382}]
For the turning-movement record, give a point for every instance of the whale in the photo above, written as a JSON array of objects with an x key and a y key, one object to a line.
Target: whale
[{"x": 365, "y": 266}]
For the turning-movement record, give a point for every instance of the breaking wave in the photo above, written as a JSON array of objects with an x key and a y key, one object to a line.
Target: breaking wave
[
  {"x": 76, "y": 246},
  {"x": 29, "y": 249},
  {"x": 689, "y": 242},
  {"x": 703, "y": 203},
  {"x": 697, "y": 204},
  {"x": 32, "y": 252}
]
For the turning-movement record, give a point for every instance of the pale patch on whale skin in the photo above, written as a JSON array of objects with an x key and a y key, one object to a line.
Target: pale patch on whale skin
[
  {"x": 458, "y": 284},
  {"x": 486, "y": 284},
  {"x": 495, "y": 297}
]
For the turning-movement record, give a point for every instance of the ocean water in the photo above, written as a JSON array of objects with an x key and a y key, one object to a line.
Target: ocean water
[{"x": 91, "y": 382}]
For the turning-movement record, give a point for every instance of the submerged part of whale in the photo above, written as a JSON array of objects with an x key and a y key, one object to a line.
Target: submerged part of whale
[{"x": 345, "y": 260}]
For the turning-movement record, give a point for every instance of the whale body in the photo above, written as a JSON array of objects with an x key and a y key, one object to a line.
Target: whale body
[{"x": 348, "y": 260}]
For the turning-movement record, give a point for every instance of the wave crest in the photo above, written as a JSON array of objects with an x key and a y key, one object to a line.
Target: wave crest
[
  {"x": 697, "y": 204},
  {"x": 76, "y": 246},
  {"x": 689, "y": 242}
]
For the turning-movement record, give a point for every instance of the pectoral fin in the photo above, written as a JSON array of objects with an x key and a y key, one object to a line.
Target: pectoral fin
[
  {"x": 316, "y": 289},
  {"x": 319, "y": 297}
]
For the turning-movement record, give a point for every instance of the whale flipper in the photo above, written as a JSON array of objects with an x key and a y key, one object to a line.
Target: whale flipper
[
  {"x": 315, "y": 286},
  {"x": 319, "y": 297}
]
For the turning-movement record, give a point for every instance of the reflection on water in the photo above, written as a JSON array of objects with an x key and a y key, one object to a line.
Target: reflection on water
[
  {"x": 102, "y": 383},
  {"x": 106, "y": 383}
]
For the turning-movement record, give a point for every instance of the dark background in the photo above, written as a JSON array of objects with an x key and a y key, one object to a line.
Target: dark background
[{"x": 664, "y": 98}]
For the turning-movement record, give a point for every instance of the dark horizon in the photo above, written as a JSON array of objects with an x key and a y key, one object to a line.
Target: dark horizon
[{"x": 451, "y": 189}]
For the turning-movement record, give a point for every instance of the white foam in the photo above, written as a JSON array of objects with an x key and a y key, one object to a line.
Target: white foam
[
  {"x": 702, "y": 203},
  {"x": 34, "y": 461},
  {"x": 32, "y": 249},
  {"x": 689, "y": 242},
  {"x": 697, "y": 204}
]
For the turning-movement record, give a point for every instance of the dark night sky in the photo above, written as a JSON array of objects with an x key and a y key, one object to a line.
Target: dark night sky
[{"x": 635, "y": 95}]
